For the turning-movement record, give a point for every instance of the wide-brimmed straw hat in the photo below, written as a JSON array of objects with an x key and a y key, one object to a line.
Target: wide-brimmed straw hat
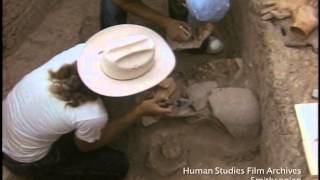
[{"x": 125, "y": 59}]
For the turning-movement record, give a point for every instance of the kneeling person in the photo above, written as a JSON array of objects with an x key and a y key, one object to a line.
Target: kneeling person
[{"x": 55, "y": 124}]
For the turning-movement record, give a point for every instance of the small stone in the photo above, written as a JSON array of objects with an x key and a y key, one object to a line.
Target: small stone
[
  {"x": 149, "y": 120},
  {"x": 215, "y": 45},
  {"x": 315, "y": 93},
  {"x": 212, "y": 66}
]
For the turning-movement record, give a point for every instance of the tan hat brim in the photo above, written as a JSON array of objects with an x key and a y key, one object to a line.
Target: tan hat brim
[{"x": 93, "y": 77}]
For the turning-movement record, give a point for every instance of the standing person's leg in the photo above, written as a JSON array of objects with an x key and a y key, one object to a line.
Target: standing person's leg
[{"x": 111, "y": 14}]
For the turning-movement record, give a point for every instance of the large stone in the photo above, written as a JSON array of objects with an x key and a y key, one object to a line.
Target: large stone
[
  {"x": 198, "y": 93},
  {"x": 149, "y": 120},
  {"x": 237, "y": 109}
]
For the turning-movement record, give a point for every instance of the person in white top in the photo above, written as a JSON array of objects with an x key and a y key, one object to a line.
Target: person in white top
[{"x": 55, "y": 124}]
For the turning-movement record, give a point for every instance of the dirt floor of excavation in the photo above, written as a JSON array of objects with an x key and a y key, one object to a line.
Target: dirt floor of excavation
[{"x": 202, "y": 144}]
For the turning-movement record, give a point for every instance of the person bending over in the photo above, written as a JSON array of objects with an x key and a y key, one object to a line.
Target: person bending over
[
  {"x": 55, "y": 124},
  {"x": 195, "y": 12}
]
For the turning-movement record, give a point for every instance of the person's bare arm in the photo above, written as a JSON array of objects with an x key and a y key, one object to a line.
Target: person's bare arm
[
  {"x": 172, "y": 26},
  {"x": 117, "y": 126}
]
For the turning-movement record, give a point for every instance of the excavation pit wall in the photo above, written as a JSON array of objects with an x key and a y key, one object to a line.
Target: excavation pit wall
[
  {"x": 281, "y": 77},
  {"x": 20, "y": 19}
]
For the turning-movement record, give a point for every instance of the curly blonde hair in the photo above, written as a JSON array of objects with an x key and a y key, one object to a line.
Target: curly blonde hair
[{"x": 67, "y": 86}]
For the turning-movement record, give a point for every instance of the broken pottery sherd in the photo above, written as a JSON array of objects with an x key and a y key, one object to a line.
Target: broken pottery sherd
[
  {"x": 199, "y": 93},
  {"x": 167, "y": 155},
  {"x": 304, "y": 21},
  {"x": 149, "y": 120},
  {"x": 237, "y": 109},
  {"x": 315, "y": 93},
  {"x": 240, "y": 70}
]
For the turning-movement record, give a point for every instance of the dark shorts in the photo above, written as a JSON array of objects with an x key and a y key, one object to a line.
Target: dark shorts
[{"x": 65, "y": 161}]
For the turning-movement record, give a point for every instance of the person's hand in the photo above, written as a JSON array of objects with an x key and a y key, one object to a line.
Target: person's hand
[
  {"x": 154, "y": 106},
  {"x": 178, "y": 30}
]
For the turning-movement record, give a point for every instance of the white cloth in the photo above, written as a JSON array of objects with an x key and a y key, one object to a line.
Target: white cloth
[{"x": 33, "y": 119}]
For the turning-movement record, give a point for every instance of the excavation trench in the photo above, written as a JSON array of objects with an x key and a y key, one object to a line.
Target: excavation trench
[
  {"x": 198, "y": 145},
  {"x": 254, "y": 58}
]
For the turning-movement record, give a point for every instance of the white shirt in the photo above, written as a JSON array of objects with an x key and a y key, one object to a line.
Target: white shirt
[{"x": 33, "y": 119}]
